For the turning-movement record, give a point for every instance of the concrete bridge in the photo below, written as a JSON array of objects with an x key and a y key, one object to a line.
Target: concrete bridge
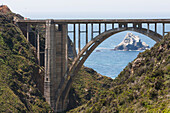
[{"x": 58, "y": 75}]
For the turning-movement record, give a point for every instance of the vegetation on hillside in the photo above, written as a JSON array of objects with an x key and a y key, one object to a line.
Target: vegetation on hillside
[
  {"x": 143, "y": 86},
  {"x": 87, "y": 84},
  {"x": 18, "y": 70}
]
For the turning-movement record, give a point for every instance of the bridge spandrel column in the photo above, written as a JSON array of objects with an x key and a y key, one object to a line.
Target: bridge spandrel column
[
  {"x": 140, "y": 25},
  {"x": 50, "y": 62}
]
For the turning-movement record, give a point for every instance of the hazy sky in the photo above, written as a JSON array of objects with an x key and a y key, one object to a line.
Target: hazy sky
[{"x": 90, "y": 8}]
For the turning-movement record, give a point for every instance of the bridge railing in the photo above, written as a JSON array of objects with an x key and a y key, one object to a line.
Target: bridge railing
[{"x": 82, "y": 33}]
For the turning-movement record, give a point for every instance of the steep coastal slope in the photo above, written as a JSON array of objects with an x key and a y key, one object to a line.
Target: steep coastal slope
[
  {"x": 86, "y": 85},
  {"x": 18, "y": 71},
  {"x": 143, "y": 86}
]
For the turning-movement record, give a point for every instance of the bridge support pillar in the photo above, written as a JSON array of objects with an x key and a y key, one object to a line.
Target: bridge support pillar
[
  {"x": 61, "y": 63},
  {"x": 55, "y": 64},
  {"x": 50, "y": 63},
  {"x": 28, "y": 28},
  {"x": 38, "y": 47}
]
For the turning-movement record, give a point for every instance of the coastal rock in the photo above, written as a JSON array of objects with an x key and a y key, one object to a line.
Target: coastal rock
[
  {"x": 71, "y": 51},
  {"x": 4, "y": 9},
  {"x": 131, "y": 42}
]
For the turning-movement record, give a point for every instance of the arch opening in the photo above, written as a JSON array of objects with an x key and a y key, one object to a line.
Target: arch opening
[
  {"x": 77, "y": 63},
  {"x": 109, "y": 62}
]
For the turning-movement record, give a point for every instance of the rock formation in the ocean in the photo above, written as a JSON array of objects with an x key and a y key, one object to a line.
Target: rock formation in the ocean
[{"x": 131, "y": 42}]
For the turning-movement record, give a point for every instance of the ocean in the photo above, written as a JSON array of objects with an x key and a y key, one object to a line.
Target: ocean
[{"x": 110, "y": 63}]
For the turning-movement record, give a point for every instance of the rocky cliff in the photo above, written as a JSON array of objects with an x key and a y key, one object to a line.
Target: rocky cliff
[
  {"x": 143, "y": 86},
  {"x": 71, "y": 51},
  {"x": 4, "y": 9},
  {"x": 131, "y": 42}
]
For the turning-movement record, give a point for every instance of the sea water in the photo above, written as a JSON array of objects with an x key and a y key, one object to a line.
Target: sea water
[{"x": 110, "y": 63}]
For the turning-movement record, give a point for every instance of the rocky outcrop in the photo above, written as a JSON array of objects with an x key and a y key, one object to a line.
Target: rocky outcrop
[
  {"x": 4, "y": 9},
  {"x": 131, "y": 42},
  {"x": 71, "y": 50}
]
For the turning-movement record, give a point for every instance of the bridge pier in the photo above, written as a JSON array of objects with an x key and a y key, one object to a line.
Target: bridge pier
[
  {"x": 55, "y": 64},
  {"x": 62, "y": 61},
  {"x": 28, "y": 28},
  {"x": 38, "y": 47},
  {"x": 50, "y": 63}
]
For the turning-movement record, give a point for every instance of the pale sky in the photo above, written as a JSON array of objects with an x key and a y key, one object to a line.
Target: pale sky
[{"x": 90, "y": 8}]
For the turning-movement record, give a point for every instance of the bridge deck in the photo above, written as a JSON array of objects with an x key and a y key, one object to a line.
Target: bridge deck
[{"x": 71, "y": 21}]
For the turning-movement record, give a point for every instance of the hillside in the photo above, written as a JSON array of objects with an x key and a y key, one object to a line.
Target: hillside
[
  {"x": 18, "y": 71},
  {"x": 86, "y": 85},
  {"x": 143, "y": 86}
]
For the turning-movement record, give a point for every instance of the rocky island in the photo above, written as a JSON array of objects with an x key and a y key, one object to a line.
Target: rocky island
[{"x": 131, "y": 42}]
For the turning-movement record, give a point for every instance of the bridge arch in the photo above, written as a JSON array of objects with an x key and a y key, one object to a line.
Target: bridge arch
[{"x": 89, "y": 47}]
